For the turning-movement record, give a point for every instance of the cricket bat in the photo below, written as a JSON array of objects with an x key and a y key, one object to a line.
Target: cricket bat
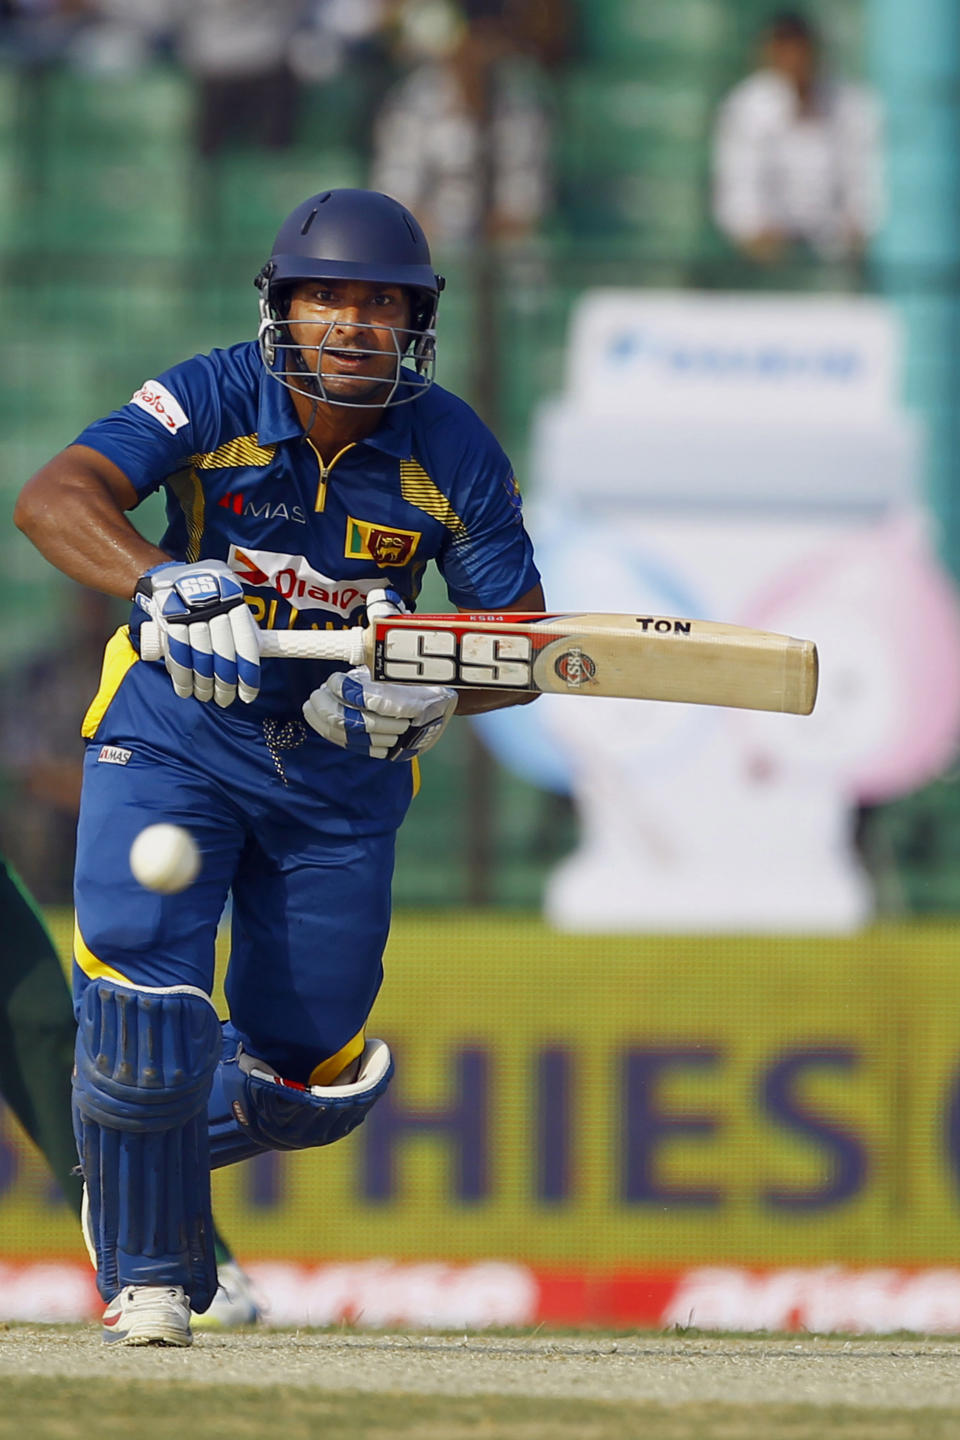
[{"x": 637, "y": 657}]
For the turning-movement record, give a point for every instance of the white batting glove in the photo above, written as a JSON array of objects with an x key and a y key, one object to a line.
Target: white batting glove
[
  {"x": 372, "y": 717},
  {"x": 211, "y": 644},
  {"x": 383, "y": 601}
]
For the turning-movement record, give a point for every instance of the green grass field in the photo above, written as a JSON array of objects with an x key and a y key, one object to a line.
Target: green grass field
[
  {"x": 60, "y": 1383},
  {"x": 155, "y": 1410}
]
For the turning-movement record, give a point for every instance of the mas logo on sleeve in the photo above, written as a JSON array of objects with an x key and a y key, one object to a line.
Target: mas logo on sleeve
[
  {"x": 384, "y": 544},
  {"x": 165, "y": 408}
]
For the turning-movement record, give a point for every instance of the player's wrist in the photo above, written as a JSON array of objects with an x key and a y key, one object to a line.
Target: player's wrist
[{"x": 142, "y": 585}]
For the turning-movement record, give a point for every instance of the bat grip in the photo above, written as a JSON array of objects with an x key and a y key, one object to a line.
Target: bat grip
[{"x": 346, "y": 645}]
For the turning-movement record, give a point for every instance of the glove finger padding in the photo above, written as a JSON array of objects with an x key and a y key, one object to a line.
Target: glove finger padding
[
  {"x": 188, "y": 656},
  {"x": 421, "y": 703},
  {"x": 224, "y": 657},
  {"x": 246, "y": 639},
  {"x": 370, "y": 717},
  {"x": 350, "y": 727}
]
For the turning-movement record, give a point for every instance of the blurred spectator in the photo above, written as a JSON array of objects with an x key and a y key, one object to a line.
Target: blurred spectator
[
  {"x": 796, "y": 154},
  {"x": 38, "y": 32},
  {"x": 40, "y": 9},
  {"x": 42, "y": 705},
  {"x": 348, "y": 40},
  {"x": 337, "y": 35},
  {"x": 239, "y": 51},
  {"x": 120, "y": 35},
  {"x": 463, "y": 139}
]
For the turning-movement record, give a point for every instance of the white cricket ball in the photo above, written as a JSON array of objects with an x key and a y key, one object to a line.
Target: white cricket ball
[{"x": 165, "y": 858}]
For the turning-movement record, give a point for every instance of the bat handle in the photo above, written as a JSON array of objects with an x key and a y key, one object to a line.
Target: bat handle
[{"x": 346, "y": 645}]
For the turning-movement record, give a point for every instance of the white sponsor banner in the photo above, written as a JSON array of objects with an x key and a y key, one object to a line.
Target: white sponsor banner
[
  {"x": 827, "y": 1300},
  {"x": 381, "y": 1294},
  {"x": 57, "y": 1292},
  {"x": 732, "y": 357},
  {"x": 371, "y": 1293},
  {"x": 293, "y": 578},
  {"x": 384, "y": 1293}
]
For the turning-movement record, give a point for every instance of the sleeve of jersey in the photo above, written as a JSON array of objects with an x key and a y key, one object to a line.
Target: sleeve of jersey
[
  {"x": 488, "y": 560},
  {"x": 165, "y": 422}
]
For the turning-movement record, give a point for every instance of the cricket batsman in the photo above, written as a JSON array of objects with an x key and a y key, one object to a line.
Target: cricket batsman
[{"x": 309, "y": 476}]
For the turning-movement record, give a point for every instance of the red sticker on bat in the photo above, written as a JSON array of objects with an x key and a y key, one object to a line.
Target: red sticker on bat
[{"x": 575, "y": 667}]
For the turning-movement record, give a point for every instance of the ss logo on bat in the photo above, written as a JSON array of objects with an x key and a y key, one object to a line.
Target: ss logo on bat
[{"x": 441, "y": 657}]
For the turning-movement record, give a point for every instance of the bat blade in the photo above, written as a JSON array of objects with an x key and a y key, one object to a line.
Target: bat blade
[
  {"x": 636, "y": 657},
  {"x": 639, "y": 657}
]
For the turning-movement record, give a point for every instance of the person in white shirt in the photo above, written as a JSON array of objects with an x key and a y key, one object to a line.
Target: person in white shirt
[
  {"x": 464, "y": 137},
  {"x": 796, "y": 154}
]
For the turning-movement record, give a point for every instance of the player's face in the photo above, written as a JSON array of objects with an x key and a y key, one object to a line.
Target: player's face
[
  {"x": 794, "y": 57},
  {"x": 352, "y": 332}
]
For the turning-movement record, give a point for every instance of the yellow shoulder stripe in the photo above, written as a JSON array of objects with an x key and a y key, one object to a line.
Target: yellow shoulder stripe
[
  {"x": 418, "y": 489},
  {"x": 117, "y": 659},
  {"x": 244, "y": 450}
]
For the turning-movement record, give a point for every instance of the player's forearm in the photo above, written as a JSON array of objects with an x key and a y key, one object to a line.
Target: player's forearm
[
  {"x": 76, "y": 522},
  {"x": 477, "y": 702}
]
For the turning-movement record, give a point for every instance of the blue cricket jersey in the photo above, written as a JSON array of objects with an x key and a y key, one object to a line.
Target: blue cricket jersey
[{"x": 307, "y": 535}]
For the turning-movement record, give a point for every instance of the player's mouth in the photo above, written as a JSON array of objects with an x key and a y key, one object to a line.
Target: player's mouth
[{"x": 348, "y": 360}]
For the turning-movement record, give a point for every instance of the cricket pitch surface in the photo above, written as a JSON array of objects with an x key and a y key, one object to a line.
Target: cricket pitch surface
[{"x": 56, "y": 1382}]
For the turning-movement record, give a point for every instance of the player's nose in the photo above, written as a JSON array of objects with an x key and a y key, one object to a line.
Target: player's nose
[{"x": 348, "y": 317}]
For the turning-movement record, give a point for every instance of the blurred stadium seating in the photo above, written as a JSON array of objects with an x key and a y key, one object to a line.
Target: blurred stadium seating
[{"x": 120, "y": 253}]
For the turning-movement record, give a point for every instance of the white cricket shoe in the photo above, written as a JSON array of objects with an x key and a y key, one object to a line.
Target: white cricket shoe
[
  {"x": 235, "y": 1303},
  {"x": 148, "y": 1315}
]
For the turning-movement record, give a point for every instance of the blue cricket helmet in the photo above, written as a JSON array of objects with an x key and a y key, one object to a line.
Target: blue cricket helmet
[{"x": 351, "y": 235}]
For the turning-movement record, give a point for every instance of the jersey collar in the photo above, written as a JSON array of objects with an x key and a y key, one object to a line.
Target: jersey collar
[
  {"x": 277, "y": 420},
  {"x": 276, "y": 417},
  {"x": 392, "y": 435}
]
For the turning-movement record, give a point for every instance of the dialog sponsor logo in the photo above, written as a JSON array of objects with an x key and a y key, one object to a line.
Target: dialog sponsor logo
[
  {"x": 158, "y": 402},
  {"x": 295, "y": 580}
]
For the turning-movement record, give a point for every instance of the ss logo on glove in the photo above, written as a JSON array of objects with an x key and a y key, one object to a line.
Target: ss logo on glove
[{"x": 210, "y": 640}]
